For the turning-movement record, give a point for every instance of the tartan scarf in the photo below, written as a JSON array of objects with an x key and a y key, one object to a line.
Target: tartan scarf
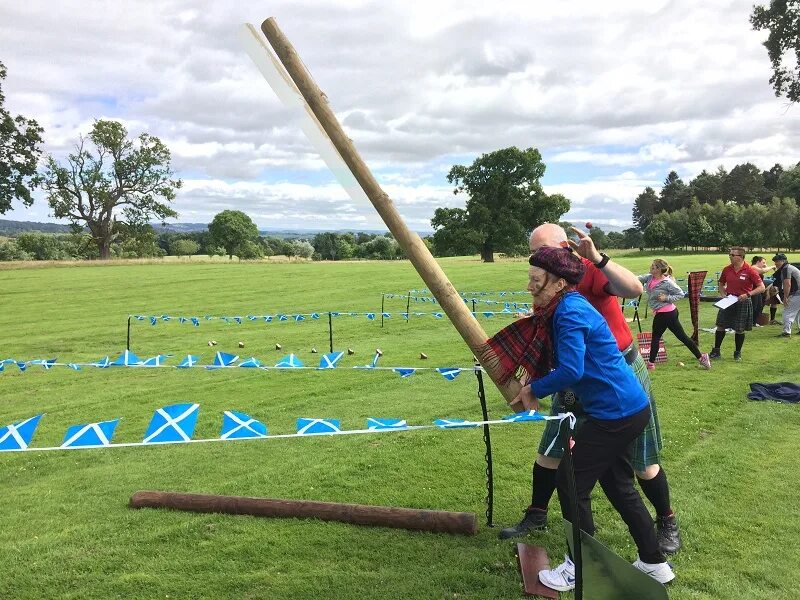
[{"x": 527, "y": 343}]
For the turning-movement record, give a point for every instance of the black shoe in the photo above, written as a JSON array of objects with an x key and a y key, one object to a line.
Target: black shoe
[
  {"x": 715, "y": 353},
  {"x": 669, "y": 538},
  {"x": 737, "y": 356},
  {"x": 784, "y": 334},
  {"x": 533, "y": 520}
]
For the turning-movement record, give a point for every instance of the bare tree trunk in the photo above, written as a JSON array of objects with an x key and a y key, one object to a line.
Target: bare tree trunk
[{"x": 487, "y": 252}]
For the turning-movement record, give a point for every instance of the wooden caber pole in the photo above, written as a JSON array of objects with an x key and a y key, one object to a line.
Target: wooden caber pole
[
  {"x": 419, "y": 255},
  {"x": 438, "y": 521}
]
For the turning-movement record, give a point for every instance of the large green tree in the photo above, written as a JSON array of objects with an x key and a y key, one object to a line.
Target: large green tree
[
  {"x": 20, "y": 147},
  {"x": 110, "y": 180},
  {"x": 231, "y": 229},
  {"x": 505, "y": 200},
  {"x": 645, "y": 208},
  {"x": 782, "y": 19},
  {"x": 744, "y": 185}
]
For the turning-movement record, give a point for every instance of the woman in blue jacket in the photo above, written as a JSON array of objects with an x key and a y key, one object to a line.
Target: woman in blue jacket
[{"x": 575, "y": 350}]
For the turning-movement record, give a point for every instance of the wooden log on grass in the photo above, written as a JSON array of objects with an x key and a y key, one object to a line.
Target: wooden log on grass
[
  {"x": 419, "y": 255},
  {"x": 438, "y": 521}
]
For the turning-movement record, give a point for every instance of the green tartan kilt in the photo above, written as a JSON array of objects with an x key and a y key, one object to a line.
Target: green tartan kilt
[
  {"x": 647, "y": 446},
  {"x": 738, "y": 317}
]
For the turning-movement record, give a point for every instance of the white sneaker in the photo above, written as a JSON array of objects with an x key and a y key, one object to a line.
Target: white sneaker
[
  {"x": 562, "y": 578},
  {"x": 705, "y": 361},
  {"x": 661, "y": 572}
]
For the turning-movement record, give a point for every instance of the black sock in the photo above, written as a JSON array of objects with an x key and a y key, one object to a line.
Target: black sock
[
  {"x": 773, "y": 310},
  {"x": 739, "y": 339},
  {"x": 544, "y": 484},
  {"x": 657, "y": 491},
  {"x": 718, "y": 337}
]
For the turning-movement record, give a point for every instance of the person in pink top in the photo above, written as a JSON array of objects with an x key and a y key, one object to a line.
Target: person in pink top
[{"x": 662, "y": 293}]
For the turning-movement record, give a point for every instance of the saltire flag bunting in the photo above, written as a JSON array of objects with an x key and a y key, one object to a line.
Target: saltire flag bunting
[
  {"x": 371, "y": 316},
  {"x": 251, "y": 317},
  {"x": 102, "y": 363},
  {"x": 404, "y": 372},
  {"x": 531, "y": 415},
  {"x": 195, "y": 321},
  {"x": 289, "y": 362},
  {"x": 74, "y": 367},
  {"x": 251, "y": 363},
  {"x": 453, "y": 423},
  {"x": 328, "y": 361},
  {"x": 334, "y": 314},
  {"x": 189, "y": 361},
  {"x": 49, "y": 364},
  {"x": 166, "y": 318},
  {"x": 155, "y": 361},
  {"x": 90, "y": 436},
  {"x": 405, "y": 315},
  {"x": 238, "y": 320},
  {"x": 488, "y": 314},
  {"x": 223, "y": 359},
  {"x": 173, "y": 423},
  {"x": 438, "y": 315},
  {"x": 153, "y": 320},
  {"x": 299, "y": 318},
  {"x": 22, "y": 365},
  {"x": 268, "y": 318},
  {"x": 315, "y": 315},
  {"x": 387, "y": 315},
  {"x": 182, "y": 320},
  {"x": 18, "y": 435},
  {"x": 386, "y": 424},
  {"x": 139, "y": 317},
  {"x": 283, "y": 318},
  {"x": 310, "y": 426},
  {"x": 126, "y": 359},
  {"x": 449, "y": 373},
  {"x": 239, "y": 426}
]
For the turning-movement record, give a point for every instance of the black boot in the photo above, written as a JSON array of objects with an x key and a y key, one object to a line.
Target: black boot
[
  {"x": 669, "y": 538},
  {"x": 534, "y": 518}
]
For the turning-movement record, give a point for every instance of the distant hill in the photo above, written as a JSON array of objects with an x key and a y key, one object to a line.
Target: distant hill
[{"x": 10, "y": 228}]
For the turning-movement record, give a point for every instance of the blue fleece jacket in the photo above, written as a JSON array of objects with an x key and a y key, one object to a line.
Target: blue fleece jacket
[{"x": 588, "y": 362}]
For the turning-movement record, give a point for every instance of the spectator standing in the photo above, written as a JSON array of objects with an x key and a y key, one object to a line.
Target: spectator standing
[{"x": 787, "y": 280}]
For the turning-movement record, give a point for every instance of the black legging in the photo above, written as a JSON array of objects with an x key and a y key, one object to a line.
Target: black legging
[
  {"x": 669, "y": 320},
  {"x": 758, "y": 307}
]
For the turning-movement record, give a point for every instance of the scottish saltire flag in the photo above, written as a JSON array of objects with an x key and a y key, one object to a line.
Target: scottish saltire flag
[
  {"x": 268, "y": 318},
  {"x": 139, "y": 317},
  {"x": 449, "y": 373},
  {"x": 387, "y": 315},
  {"x": 74, "y": 367},
  {"x": 488, "y": 314},
  {"x": 404, "y": 372},
  {"x": 309, "y": 426},
  {"x": 165, "y": 317},
  {"x": 386, "y": 424},
  {"x": 405, "y": 316},
  {"x": 182, "y": 320},
  {"x": 371, "y": 316},
  {"x": 174, "y": 423},
  {"x": 189, "y": 361},
  {"x": 335, "y": 314},
  {"x": 283, "y": 318},
  {"x": 155, "y": 361},
  {"x": 238, "y": 320},
  {"x": 49, "y": 364},
  {"x": 251, "y": 317},
  {"x": 239, "y": 426},
  {"x": 195, "y": 321},
  {"x": 18, "y": 435},
  {"x": 90, "y": 436},
  {"x": 453, "y": 423},
  {"x": 299, "y": 318},
  {"x": 315, "y": 315},
  {"x": 223, "y": 359},
  {"x": 102, "y": 363},
  {"x": 289, "y": 362},
  {"x": 22, "y": 365},
  {"x": 251, "y": 363},
  {"x": 126, "y": 359},
  {"x": 328, "y": 361},
  {"x": 153, "y": 320},
  {"x": 531, "y": 415},
  {"x": 438, "y": 315}
]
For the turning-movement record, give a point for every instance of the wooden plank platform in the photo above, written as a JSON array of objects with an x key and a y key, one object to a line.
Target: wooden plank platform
[{"x": 533, "y": 559}]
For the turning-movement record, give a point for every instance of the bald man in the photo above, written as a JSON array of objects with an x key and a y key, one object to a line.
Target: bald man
[{"x": 604, "y": 281}]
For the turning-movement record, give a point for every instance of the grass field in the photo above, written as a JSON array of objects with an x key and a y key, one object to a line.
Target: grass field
[{"x": 66, "y": 530}]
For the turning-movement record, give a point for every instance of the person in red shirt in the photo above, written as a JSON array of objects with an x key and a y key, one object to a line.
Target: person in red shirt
[{"x": 741, "y": 280}]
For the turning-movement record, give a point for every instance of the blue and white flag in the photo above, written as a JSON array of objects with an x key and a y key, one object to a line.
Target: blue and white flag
[
  {"x": 223, "y": 359},
  {"x": 289, "y": 362},
  {"x": 328, "y": 361},
  {"x": 386, "y": 424},
  {"x": 189, "y": 361},
  {"x": 153, "y": 320},
  {"x": 18, "y": 435},
  {"x": 438, "y": 315},
  {"x": 74, "y": 367},
  {"x": 174, "y": 423},
  {"x": 239, "y": 426},
  {"x": 268, "y": 318},
  {"x": 315, "y": 316},
  {"x": 155, "y": 361},
  {"x": 531, "y": 415},
  {"x": 371, "y": 316},
  {"x": 404, "y": 372},
  {"x": 195, "y": 321},
  {"x": 250, "y": 363},
  {"x": 488, "y": 314},
  {"x": 102, "y": 363},
  {"x": 283, "y": 317},
  {"x": 387, "y": 315},
  {"x": 238, "y": 320},
  {"x": 309, "y": 426},
  {"x": 299, "y": 318},
  {"x": 453, "y": 423},
  {"x": 126, "y": 359},
  {"x": 449, "y": 373},
  {"x": 90, "y": 436},
  {"x": 49, "y": 364},
  {"x": 22, "y": 365}
]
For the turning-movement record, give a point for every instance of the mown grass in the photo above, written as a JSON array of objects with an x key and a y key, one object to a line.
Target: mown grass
[{"x": 66, "y": 530}]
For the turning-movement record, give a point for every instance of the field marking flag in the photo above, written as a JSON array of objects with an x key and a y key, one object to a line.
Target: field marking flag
[
  {"x": 182, "y": 320},
  {"x": 238, "y": 320},
  {"x": 251, "y": 317},
  {"x": 250, "y": 363},
  {"x": 153, "y": 320},
  {"x": 299, "y": 318},
  {"x": 174, "y": 423},
  {"x": 74, "y": 367},
  {"x": 268, "y": 318},
  {"x": 386, "y": 424},
  {"x": 223, "y": 359},
  {"x": 189, "y": 361},
  {"x": 102, "y": 363},
  {"x": 453, "y": 423},
  {"x": 49, "y": 364},
  {"x": 329, "y": 361},
  {"x": 404, "y": 372},
  {"x": 126, "y": 359},
  {"x": 139, "y": 317},
  {"x": 239, "y": 426},
  {"x": 91, "y": 435},
  {"x": 18, "y": 435},
  {"x": 283, "y": 318},
  {"x": 315, "y": 316},
  {"x": 195, "y": 321},
  {"x": 371, "y": 316},
  {"x": 156, "y": 361},
  {"x": 449, "y": 373},
  {"x": 166, "y": 318},
  {"x": 311, "y": 426},
  {"x": 531, "y": 415},
  {"x": 22, "y": 365},
  {"x": 289, "y": 362},
  {"x": 405, "y": 315}
]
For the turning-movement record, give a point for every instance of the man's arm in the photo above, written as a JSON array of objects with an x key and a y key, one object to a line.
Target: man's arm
[
  {"x": 621, "y": 282},
  {"x": 787, "y": 288}
]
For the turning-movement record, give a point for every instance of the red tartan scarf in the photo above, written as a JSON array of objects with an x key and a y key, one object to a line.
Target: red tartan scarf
[{"x": 527, "y": 343}]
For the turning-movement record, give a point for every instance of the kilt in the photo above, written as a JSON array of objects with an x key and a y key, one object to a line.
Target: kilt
[
  {"x": 646, "y": 447},
  {"x": 738, "y": 317}
]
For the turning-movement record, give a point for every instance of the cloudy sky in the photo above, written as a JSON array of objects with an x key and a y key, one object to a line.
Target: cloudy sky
[{"x": 614, "y": 95}]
